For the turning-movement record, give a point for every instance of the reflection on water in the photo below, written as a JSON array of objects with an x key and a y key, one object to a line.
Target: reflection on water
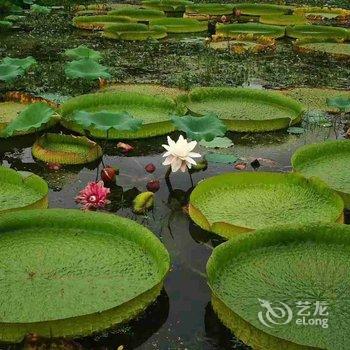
[{"x": 182, "y": 318}]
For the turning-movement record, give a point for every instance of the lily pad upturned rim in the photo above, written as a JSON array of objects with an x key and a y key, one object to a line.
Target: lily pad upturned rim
[
  {"x": 253, "y": 335},
  {"x": 25, "y": 179},
  {"x": 228, "y": 230},
  {"x": 180, "y": 25},
  {"x": 40, "y": 149},
  {"x": 199, "y": 94},
  {"x": 236, "y": 29},
  {"x": 314, "y": 32},
  {"x": 99, "y": 22},
  {"x": 330, "y": 47},
  {"x": 308, "y": 155},
  {"x": 122, "y": 99},
  {"x": 259, "y": 9},
  {"x": 105, "y": 226}
]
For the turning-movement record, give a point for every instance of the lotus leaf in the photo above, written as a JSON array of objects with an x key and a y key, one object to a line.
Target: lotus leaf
[
  {"x": 245, "y": 109},
  {"x": 252, "y": 9},
  {"x": 9, "y": 72},
  {"x": 283, "y": 268},
  {"x": 137, "y": 13},
  {"x": 66, "y": 149},
  {"x": 221, "y": 158},
  {"x": 154, "y": 111},
  {"x": 234, "y": 203},
  {"x": 86, "y": 68},
  {"x": 107, "y": 121},
  {"x": 317, "y": 32},
  {"x": 74, "y": 273},
  {"x": 200, "y": 128},
  {"x": 82, "y": 52},
  {"x": 234, "y": 30},
  {"x": 339, "y": 102},
  {"x": 99, "y": 22},
  {"x": 31, "y": 118},
  {"x": 217, "y": 142},
  {"x": 329, "y": 161},
  {"x": 23, "y": 63},
  {"x": 4, "y": 25},
  {"x": 21, "y": 191},
  {"x": 180, "y": 25}
]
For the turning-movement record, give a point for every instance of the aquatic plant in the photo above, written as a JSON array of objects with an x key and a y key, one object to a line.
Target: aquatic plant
[
  {"x": 328, "y": 161},
  {"x": 283, "y": 20},
  {"x": 93, "y": 196},
  {"x": 179, "y": 154},
  {"x": 244, "y": 109},
  {"x": 154, "y": 111},
  {"x": 217, "y": 142},
  {"x": 99, "y": 22},
  {"x": 180, "y": 25},
  {"x": 66, "y": 149},
  {"x": 5, "y": 25},
  {"x": 253, "y": 9},
  {"x": 320, "y": 13},
  {"x": 234, "y": 30},
  {"x": 23, "y": 63},
  {"x": 38, "y": 9},
  {"x": 34, "y": 117},
  {"x": 205, "y": 128},
  {"x": 169, "y": 6},
  {"x": 307, "y": 265},
  {"x": 128, "y": 264},
  {"x": 134, "y": 32},
  {"x": 21, "y": 190},
  {"x": 342, "y": 103},
  {"x": 86, "y": 68},
  {"x": 220, "y": 158},
  {"x": 317, "y": 32},
  {"x": 82, "y": 52},
  {"x": 235, "y": 203},
  {"x": 143, "y": 202},
  {"x": 138, "y": 13},
  {"x": 210, "y": 9},
  {"x": 9, "y": 72}
]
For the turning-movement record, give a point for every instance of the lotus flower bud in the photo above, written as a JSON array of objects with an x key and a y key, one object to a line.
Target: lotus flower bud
[
  {"x": 126, "y": 148},
  {"x": 150, "y": 168},
  {"x": 153, "y": 185},
  {"x": 240, "y": 166},
  {"x": 108, "y": 174},
  {"x": 54, "y": 166}
]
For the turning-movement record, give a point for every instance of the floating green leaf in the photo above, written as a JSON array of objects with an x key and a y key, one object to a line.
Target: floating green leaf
[
  {"x": 86, "y": 68},
  {"x": 143, "y": 202},
  {"x": 221, "y": 158},
  {"x": 9, "y": 72},
  {"x": 82, "y": 52},
  {"x": 295, "y": 130},
  {"x": 106, "y": 121},
  {"x": 23, "y": 63},
  {"x": 217, "y": 142},
  {"x": 342, "y": 103},
  {"x": 200, "y": 128},
  {"x": 32, "y": 117},
  {"x": 44, "y": 10}
]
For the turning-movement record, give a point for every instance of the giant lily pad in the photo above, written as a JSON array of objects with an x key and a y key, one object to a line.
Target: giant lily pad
[
  {"x": 181, "y": 25},
  {"x": 73, "y": 273},
  {"x": 5, "y": 25},
  {"x": 283, "y": 20},
  {"x": 107, "y": 121},
  {"x": 329, "y": 161},
  {"x": 21, "y": 191},
  {"x": 134, "y": 31},
  {"x": 321, "y": 12},
  {"x": 253, "y": 9},
  {"x": 261, "y": 282},
  {"x": 138, "y": 13},
  {"x": 330, "y": 47},
  {"x": 200, "y": 128},
  {"x": 34, "y": 117},
  {"x": 316, "y": 98},
  {"x": 233, "y": 203},
  {"x": 209, "y": 9},
  {"x": 154, "y": 111},
  {"x": 167, "y": 5},
  {"x": 341, "y": 103},
  {"x": 98, "y": 22},
  {"x": 82, "y": 52},
  {"x": 234, "y": 30},
  {"x": 9, "y": 72},
  {"x": 66, "y": 149},
  {"x": 23, "y": 63},
  {"x": 317, "y": 32},
  {"x": 245, "y": 109},
  {"x": 86, "y": 68}
]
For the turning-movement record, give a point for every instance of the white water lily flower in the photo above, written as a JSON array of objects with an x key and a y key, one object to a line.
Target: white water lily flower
[{"x": 179, "y": 154}]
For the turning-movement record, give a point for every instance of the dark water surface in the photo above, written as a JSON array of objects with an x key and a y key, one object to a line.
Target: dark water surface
[{"x": 182, "y": 317}]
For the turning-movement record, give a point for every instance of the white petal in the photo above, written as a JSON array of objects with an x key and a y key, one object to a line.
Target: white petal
[
  {"x": 191, "y": 145},
  {"x": 194, "y": 155},
  {"x": 183, "y": 167},
  {"x": 176, "y": 164},
  {"x": 166, "y": 154},
  {"x": 168, "y": 160},
  {"x": 167, "y": 147},
  {"x": 170, "y": 141},
  {"x": 190, "y": 161}
]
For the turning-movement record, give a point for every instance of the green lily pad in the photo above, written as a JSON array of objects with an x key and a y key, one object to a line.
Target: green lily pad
[
  {"x": 260, "y": 283},
  {"x": 9, "y": 72},
  {"x": 316, "y": 32},
  {"x": 5, "y": 25},
  {"x": 253, "y": 9},
  {"x": 167, "y": 5},
  {"x": 283, "y": 20},
  {"x": 235, "y": 203},
  {"x": 328, "y": 161},
  {"x": 181, "y": 25},
  {"x": 21, "y": 191},
  {"x": 66, "y": 149},
  {"x": 153, "y": 111},
  {"x": 86, "y": 68},
  {"x": 43, "y": 10},
  {"x": 295, "y": 130},
  {"x": 23, "y": 63},
  {"x": 31, "y": 118},
  {"x": 221, "y": 158},
  {"x": 237, "y": 29},
  {"x": 107, "y": 121},
  {"x": 217, "y": 142},
  {"x": 99, "y": 22},
  {"x": 330, "y": 47},
  {"x": 73, "y": 273},
  {"x": 340, "y": 102},
  {"x": 200, "y": 128},
  {"x": 210, "y": 9},
  {"x": 82, "y": 52},
  {"x": 138, "y": 13}
]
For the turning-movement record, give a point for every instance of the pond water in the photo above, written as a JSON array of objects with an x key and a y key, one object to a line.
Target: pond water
[{"x": 182, "y": 317}]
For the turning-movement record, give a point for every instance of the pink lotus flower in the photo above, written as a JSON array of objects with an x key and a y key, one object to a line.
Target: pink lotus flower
[{"x": 93, "y": 196}]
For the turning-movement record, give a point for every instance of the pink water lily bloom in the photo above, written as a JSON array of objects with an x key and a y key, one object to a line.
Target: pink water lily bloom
[
  {"x": 179, "y": 154},
  {"x": 93, "y": 196}
]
